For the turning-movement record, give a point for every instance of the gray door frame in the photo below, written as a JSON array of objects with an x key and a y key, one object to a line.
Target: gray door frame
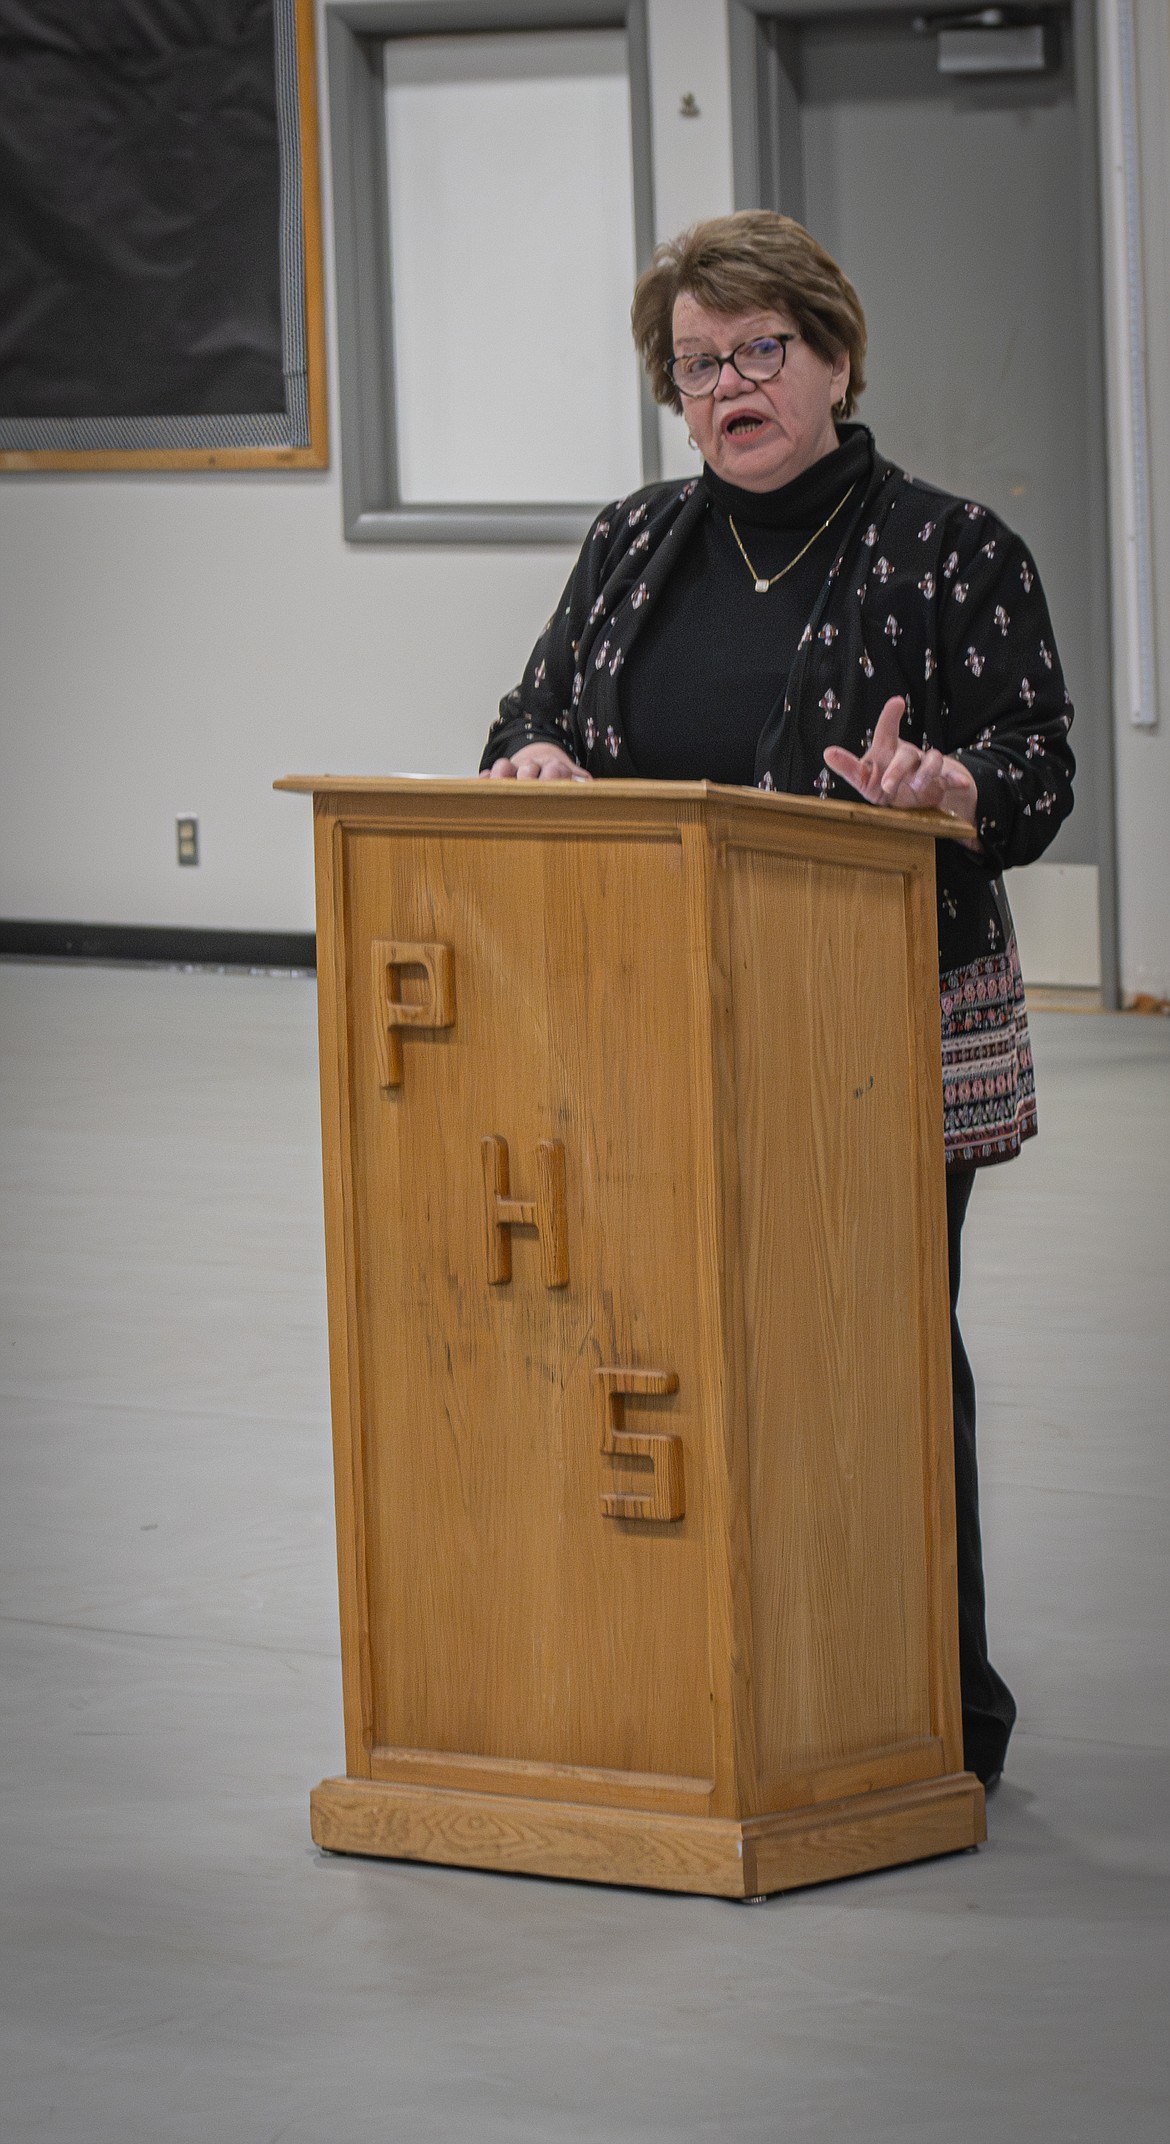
[
  {"x": 759, "y": 96},
  {"x": 354, "y": 34}
]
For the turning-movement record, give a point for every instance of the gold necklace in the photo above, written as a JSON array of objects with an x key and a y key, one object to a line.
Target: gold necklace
[{"x": 762, "y": 586}]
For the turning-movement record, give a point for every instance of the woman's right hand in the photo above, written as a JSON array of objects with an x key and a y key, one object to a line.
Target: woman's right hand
[{"x": 536, "y": 763}]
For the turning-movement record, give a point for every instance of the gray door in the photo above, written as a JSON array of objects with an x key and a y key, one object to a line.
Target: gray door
[{"x": 964, "y": 212}]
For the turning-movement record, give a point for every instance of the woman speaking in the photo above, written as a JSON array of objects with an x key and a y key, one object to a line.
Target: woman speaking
[{"x": 805, "y": 617}]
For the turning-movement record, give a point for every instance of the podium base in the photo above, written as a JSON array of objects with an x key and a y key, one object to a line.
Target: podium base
[{"x": 718, "y": 1856}]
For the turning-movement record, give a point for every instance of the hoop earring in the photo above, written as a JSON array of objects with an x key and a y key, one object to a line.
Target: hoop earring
[{"x": 691, "y": 444}]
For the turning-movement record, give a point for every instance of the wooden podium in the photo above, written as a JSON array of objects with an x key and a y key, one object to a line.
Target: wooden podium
[{"x": 638, "y": 1327}]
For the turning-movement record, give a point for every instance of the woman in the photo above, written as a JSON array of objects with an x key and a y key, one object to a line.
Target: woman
[{"x": 805, "y": 617}]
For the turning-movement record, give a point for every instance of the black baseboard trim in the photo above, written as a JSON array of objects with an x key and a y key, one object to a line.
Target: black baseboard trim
[{"x": 157, "y": 943}]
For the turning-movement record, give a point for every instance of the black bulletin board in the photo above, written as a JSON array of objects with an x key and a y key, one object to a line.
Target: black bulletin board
[{"x": 160, "y": 247}]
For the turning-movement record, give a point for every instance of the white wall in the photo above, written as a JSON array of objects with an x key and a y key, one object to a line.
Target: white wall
[
  {"x": 575, "y": 429},
  {"x": 692, "y": 157},
  {"x": 171, "y": 643},
  {"x": 1143, "y": 755},
  {"x": 1054, "y": 907}
]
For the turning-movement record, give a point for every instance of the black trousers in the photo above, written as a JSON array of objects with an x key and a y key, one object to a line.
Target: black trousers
[{"x": 989, "y": 1709}]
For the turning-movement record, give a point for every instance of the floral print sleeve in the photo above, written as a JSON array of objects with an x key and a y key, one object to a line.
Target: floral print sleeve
[
  {"x": 542, "y": 708},
  {"x": 1006, "y": 711}
]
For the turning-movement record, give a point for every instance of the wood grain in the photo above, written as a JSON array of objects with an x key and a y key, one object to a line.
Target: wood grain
[
  {"x": 544, "y": 1782},
  {"x": 712, "y": 1855},
  {"x": 614, "y": 806},
  {"x": 926, "y": 1143},
  {"x": 501, "y": 1212},
  {"x": 507, "y": 1617},
  {"x": 341, "y": 1286},
  {"x": 551, "y": 1212},
  {"x": 316, "y": 454},
  {"x": 835, "y": 1316},
  {"x": 541, "y": 1838},
  {"x": 546, "y": 1213},
  {"x": 708, "y": 1056},
  {"x": 944, "y": 1816},
  {"x": 664, "y": 1500},
  {"x": 392, "y": 1012}
]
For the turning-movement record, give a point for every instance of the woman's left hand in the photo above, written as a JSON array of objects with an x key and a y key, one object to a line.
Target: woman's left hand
[{"x": 896, "y": 773}]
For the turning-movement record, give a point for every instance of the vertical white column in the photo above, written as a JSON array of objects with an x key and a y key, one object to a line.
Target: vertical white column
[
  {"x": 1126, "y": 362},
  {"x": 1134, "y": 74},
  {"x": 689, "y": 66}
]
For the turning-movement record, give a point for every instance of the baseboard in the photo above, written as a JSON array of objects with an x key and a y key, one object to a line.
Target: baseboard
[
  {"x": 722, "y": 1857},
  {"x": 160, "y": 944}
]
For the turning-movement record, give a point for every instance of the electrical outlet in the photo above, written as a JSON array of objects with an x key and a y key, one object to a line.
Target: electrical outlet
[{"x": 187, "y": 839}]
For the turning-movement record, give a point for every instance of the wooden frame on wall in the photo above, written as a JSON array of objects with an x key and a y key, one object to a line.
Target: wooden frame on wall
[{"x": 298, "y": 437}]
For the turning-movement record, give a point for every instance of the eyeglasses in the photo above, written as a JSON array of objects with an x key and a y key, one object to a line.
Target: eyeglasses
[{"x": 758, "y": 360}]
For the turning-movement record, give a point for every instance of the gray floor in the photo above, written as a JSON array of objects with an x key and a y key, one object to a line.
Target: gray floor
[{"x": 179, "y": 1964}]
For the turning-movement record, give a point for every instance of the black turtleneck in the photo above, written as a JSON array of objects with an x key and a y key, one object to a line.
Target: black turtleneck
[{"x": 713, "y": 656}]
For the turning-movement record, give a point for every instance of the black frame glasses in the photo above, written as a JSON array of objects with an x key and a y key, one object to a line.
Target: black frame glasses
[{"x": 755, "y": 379}]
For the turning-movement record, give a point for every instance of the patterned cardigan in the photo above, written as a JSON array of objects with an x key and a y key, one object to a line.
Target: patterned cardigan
[{"x": 930, "y": 597}]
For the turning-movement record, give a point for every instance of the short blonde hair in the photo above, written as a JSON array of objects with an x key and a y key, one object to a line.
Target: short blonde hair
[{"x": 753, "y": 261}]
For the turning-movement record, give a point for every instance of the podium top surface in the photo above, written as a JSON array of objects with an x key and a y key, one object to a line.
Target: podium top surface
[{"x": 570, "y": 797}]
